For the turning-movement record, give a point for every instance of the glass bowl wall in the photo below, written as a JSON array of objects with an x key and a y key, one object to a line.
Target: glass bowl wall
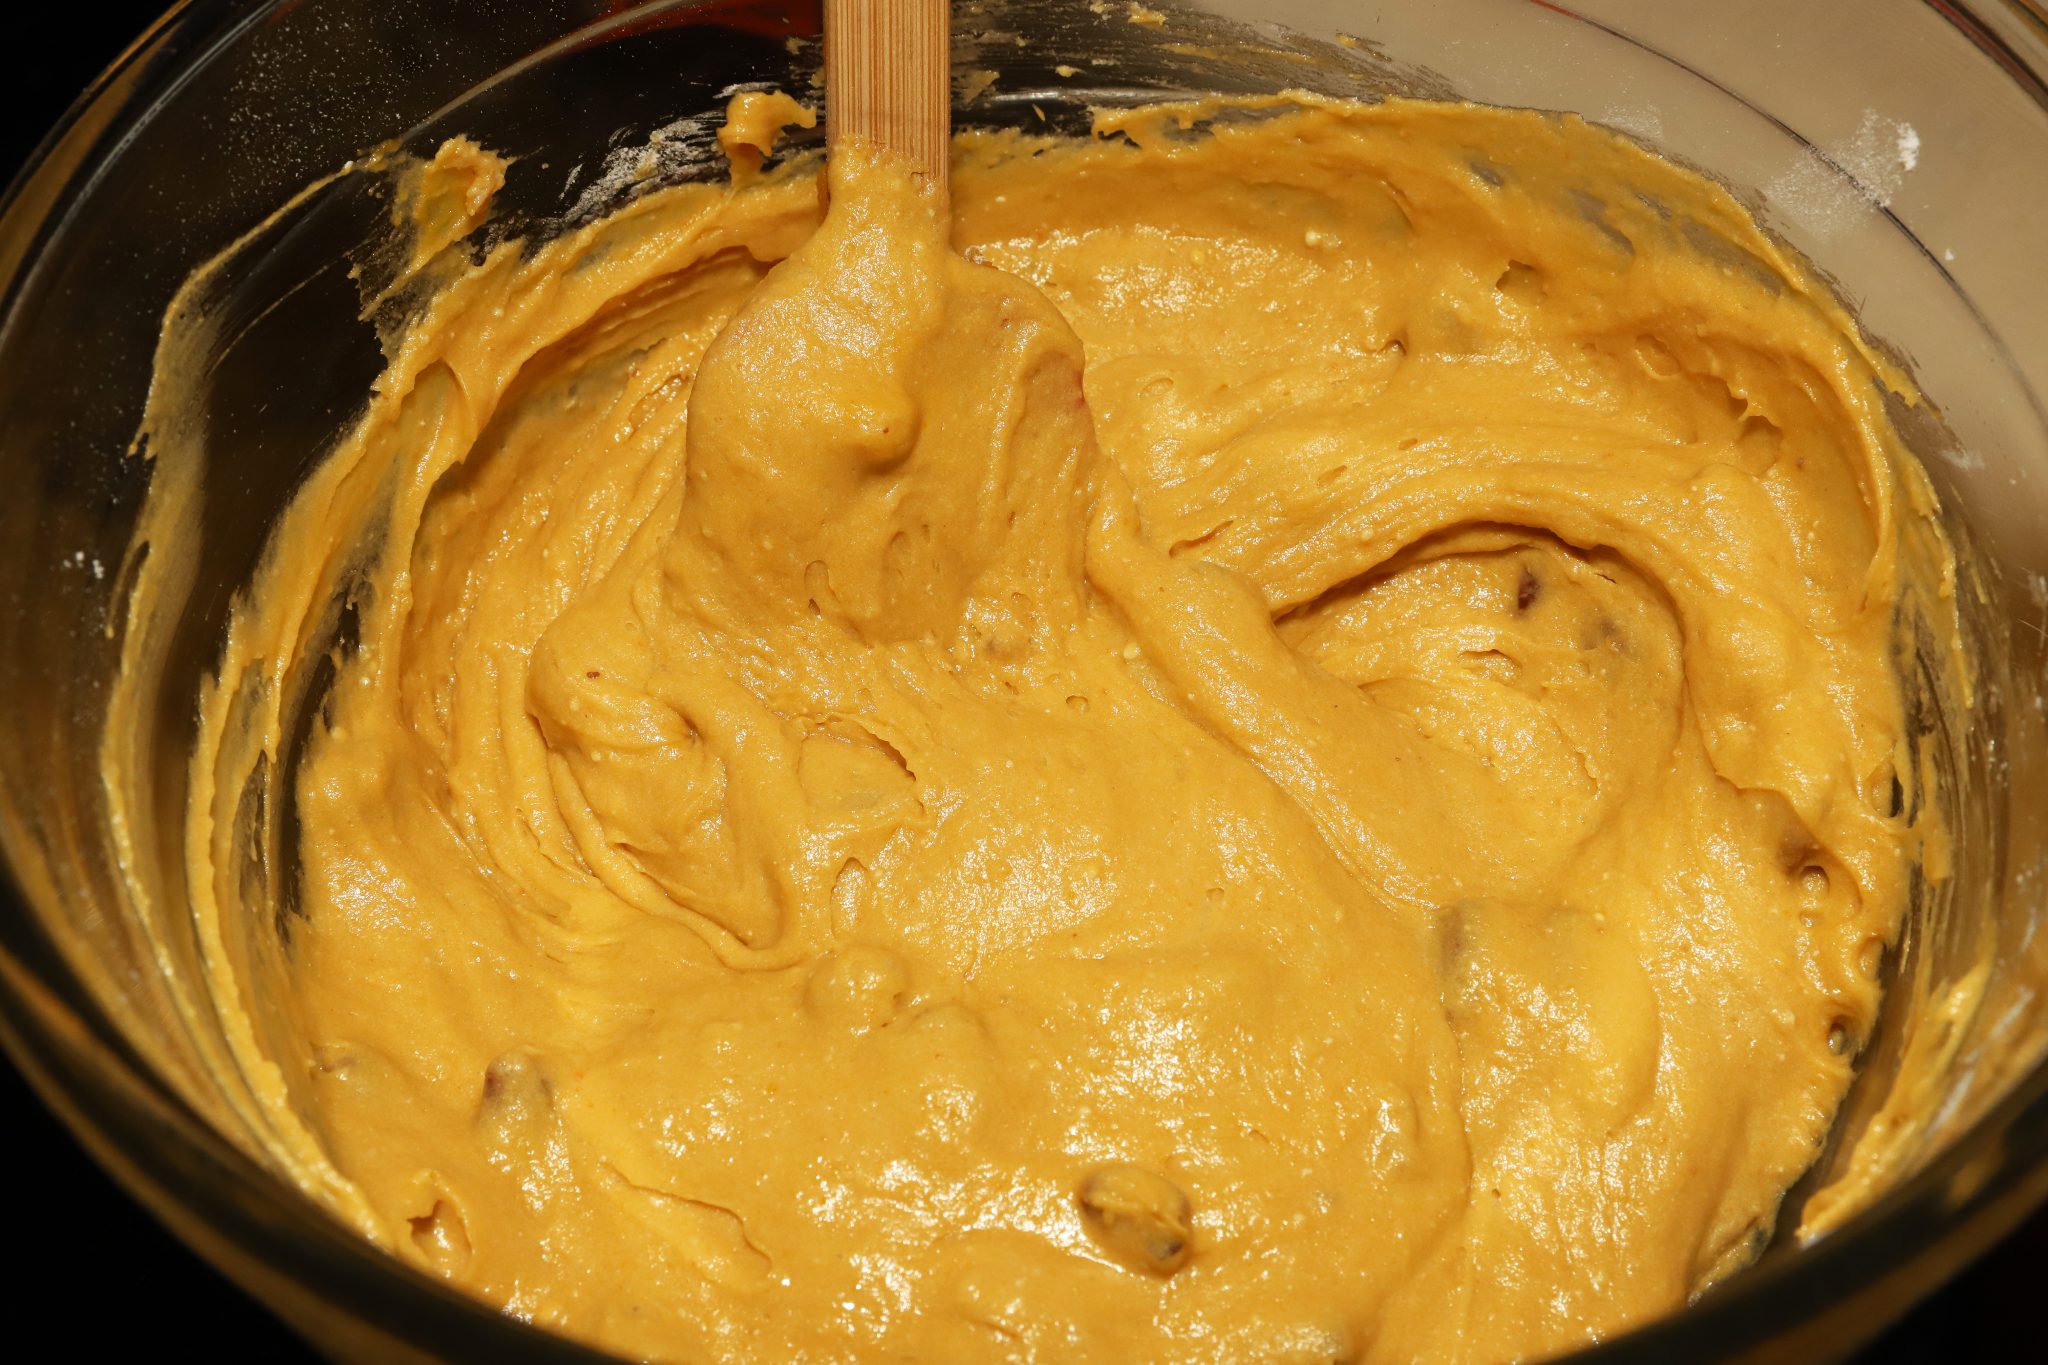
[{"x": 1901, "y": 145}]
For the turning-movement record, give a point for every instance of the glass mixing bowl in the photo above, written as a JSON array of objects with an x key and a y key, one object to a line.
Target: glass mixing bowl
[{"x": 1901, "y": 145}]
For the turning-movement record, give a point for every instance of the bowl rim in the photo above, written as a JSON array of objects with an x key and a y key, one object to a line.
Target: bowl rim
[{"x": 277, "y": 1243}]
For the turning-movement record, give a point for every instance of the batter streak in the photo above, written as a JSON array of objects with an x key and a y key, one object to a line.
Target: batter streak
[{"x": 1289, "y": 757}]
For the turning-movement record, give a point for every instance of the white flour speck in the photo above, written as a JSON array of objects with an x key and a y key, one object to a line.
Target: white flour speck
[
  {"x": 1646, "y": 122},
  {"x": 1878, "y": 155},
  {"x": 1870, "y": 165}
]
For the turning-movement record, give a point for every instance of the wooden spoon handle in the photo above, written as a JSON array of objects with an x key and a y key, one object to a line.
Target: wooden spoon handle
[{"x": 888, "y": 78}]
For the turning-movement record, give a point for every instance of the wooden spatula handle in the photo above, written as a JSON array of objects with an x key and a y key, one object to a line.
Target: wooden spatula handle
[{"x": 888, "y": 78}]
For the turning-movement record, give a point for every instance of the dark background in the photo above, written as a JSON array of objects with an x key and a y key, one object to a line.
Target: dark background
[{"x": 121, "y": 1283}]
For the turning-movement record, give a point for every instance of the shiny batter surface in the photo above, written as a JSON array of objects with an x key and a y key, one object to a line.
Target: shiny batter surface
[{"x": 1289, "y": 757}]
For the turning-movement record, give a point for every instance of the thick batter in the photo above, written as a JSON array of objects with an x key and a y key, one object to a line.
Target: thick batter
[{"x": 1290, "y": 757}]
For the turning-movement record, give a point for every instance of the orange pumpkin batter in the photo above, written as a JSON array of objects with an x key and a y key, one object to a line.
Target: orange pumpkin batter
[{"x": 1281, "y": 751}]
